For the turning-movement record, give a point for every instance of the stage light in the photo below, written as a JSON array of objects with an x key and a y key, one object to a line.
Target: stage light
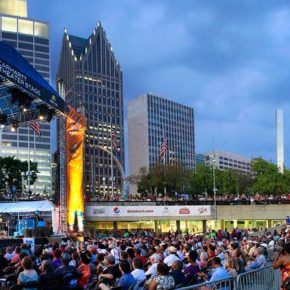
[
  {"x": 45, "y": 113},
  {"x": 14, "y": 125}
]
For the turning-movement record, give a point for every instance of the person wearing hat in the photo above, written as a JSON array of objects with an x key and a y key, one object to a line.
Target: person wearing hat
[{"x": 172, "y": 256}]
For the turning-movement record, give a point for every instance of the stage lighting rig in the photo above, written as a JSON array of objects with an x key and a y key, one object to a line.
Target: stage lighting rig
[{"x": 22, "y": 99}]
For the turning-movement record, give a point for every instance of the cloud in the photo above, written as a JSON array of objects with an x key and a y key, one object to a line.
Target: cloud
[{"x": 228, "y": 59}]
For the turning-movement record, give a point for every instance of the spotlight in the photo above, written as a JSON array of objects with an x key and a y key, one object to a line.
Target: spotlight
[
  {"x": 45, "y": 113},
  {"x": 14, "y": 125}
]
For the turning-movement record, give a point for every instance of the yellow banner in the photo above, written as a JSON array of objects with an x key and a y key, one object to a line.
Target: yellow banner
[{"x": 75, "y": 134}]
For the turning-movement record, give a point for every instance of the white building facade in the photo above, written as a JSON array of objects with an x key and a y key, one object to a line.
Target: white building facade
[{"x": 226, "y": 160}]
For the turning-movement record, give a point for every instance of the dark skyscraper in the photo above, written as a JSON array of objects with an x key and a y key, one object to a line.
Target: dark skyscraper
[{"x": 92, "y": 80}]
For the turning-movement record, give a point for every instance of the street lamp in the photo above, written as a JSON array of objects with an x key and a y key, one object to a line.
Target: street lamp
[
  {"x": 22, "y": 182},
  {"x": 213, "y": 161},
  {"x": 104, "y": 180}
]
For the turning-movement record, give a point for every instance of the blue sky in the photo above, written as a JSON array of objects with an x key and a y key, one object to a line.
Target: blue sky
[{"x": 229, "y": 60}]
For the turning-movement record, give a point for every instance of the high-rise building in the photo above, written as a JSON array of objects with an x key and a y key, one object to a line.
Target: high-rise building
[
  {"x": 226, "y": 160},
  {"x": 280, "y": 140},
  {"x": 31, "y": 38},
  {"x": 92, "y": 80},
  {"x": 153, "y": 119}
]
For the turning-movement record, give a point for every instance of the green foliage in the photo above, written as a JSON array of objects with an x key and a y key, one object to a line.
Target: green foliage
[
  {"x": 268, "y": 179},
  {"x": 11, "y": 169},
  {"x": 264, "y": 178}
]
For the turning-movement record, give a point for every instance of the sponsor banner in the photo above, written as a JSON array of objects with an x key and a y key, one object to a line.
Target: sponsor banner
[
  {"x": 148, "y": 211},
  {"x": 75, "y": 134}
]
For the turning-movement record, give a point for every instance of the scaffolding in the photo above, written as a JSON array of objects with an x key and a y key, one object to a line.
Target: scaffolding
[{"x": 62, "y": 168}]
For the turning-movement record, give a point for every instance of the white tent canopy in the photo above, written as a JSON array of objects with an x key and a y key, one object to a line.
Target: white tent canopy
[{"x": 26, "y": 206}]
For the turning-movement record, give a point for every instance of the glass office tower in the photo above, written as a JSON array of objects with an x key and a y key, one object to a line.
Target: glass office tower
[
  {"x": 31, "y": 38},
  {"x": 92, "y": 80},
  {"x": 152, "y": 118}
]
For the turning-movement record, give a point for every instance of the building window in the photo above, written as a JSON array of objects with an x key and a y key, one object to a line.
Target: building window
[
  {"x": 25, "y": 26},
  {"x": 40, "y": 29},
  {"x": 9, "y": 24}
]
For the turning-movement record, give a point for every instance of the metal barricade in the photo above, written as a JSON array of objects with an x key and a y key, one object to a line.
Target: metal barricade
[
  {"x": 224, "y": 284},
  {"x": 265, "y": 278}
]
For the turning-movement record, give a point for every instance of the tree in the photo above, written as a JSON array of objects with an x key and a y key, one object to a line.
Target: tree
[
  {"x": 11, "y": 170},
  {"x": 268, "y": 179},
  {"x": 201, "y": 180}
]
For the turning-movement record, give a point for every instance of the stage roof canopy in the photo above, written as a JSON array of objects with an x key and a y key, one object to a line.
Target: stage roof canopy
[{"x": 26, "y": 206}]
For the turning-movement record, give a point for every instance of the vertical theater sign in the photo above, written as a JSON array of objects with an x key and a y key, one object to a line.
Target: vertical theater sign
[{"x": 75, "y": 134}]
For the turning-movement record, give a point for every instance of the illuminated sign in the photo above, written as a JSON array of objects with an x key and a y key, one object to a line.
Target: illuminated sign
[{"x": 75, "y": 134}]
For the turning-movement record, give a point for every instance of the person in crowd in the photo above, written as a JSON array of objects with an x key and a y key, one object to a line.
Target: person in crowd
[
  {"x": 203, "y": 258},
  {"x": 16, "y": 257},
  {"x": 139, "y": 256},
  {"x": 138, "y": 273},
  {"x": 25, "y": 249},
  {"x": 99, "y": 264},
  {"x": 28, "y": 274},
  {"x": 152, "y": 270},
  {"x": 177, "y": 272},
  {"x": 75, "y": 259},
  {"x": 219, "y": 272},
  {"x": 47, "y": 272},
  {"x": 111, "y": 272},
  {"x": 9, "y": 254},
  {"x": 115, "y": 252},
  {"x": 229, "y": 266},
  {"x": 283, "y": 262},
  {"x": 192, "y": 268},
  {"x": 84, "y": 269},
  {"x": 127, "y": 280},
  {"x": 56, "y": 262},
  {"x": 259, "y": 261},
  {"x": 172, "y": 256},
  {"x": 65, "y": 269},
  {"x": 162, "y": 281}
]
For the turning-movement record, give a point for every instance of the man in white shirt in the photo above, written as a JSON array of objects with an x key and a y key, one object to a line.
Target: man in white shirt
[
  {"x": 172, "y": 256},
  {"x": 154, "y": 260}
]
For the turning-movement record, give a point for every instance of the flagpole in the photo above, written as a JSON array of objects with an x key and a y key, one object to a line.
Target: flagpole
[
  {"x": 28, "y": 160},
  {"x": 112, "y": 173}
]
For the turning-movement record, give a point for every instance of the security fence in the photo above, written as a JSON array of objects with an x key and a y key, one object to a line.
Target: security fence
[{"x": 265, "y": 278}]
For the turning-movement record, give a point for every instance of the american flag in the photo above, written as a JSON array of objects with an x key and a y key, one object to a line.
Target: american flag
[
  {"x": 113, "y": 137},
  {"x": 163, "y": 149},
  {"x": 35, "y": 126}
]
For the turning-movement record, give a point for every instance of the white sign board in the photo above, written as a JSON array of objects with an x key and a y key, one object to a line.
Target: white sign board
[{"x": 148, "y": 211}]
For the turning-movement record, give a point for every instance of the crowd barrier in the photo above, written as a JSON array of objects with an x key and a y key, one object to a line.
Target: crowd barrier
[{"x": 265, "y": 278}]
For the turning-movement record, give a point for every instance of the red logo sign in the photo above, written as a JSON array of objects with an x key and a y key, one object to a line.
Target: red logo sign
[{"x": 184, "y": 210}]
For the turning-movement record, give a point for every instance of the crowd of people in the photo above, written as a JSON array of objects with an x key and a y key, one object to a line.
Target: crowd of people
[
  {"x": 257, "y": 198},
  {"x": 147, "y": 261}
]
